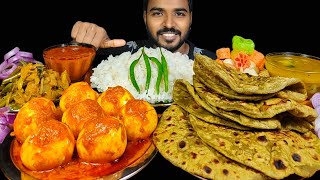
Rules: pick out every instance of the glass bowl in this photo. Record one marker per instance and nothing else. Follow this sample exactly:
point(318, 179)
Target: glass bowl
point(75, 58)
point(297, 65)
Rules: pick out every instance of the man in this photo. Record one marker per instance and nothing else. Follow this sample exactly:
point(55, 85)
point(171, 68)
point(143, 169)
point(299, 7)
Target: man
point(168, 24)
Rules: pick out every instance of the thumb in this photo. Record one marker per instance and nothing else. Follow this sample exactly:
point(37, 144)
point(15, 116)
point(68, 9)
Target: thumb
point(112, 43)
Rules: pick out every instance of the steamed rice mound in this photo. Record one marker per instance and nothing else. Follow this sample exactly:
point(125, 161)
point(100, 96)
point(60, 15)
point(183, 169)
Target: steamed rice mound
point(115, 71)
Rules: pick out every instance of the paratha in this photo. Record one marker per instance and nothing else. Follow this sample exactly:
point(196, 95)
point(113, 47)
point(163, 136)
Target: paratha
point(223, 89)
point(184, 99)
point(290, 122)
point(185, 96)
point(177, 142)
point(267, 108)
point(241, 82)
point(276, 153)
point(297, 92)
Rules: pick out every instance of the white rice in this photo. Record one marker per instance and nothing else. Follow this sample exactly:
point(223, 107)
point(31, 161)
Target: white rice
point(115, 71)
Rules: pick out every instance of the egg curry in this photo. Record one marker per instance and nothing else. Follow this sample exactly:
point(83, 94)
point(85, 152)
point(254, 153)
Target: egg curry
point(76, 92)
point(79, 113)
point(54, 140)
point(102, 140)
point(112, 99)
point(86, 134)
point(140, 119)
point(32, 113)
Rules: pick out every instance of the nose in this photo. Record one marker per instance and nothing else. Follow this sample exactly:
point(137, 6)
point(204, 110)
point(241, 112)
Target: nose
point(169, 21)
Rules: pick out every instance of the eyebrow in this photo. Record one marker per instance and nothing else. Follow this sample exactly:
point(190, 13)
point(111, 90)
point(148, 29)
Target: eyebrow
point(161, 9)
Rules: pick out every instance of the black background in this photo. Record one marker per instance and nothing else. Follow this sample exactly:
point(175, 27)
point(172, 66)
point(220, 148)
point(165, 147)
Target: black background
point(273, 27)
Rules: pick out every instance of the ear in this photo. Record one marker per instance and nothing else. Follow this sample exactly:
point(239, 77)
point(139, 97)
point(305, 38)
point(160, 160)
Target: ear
point(145, 17)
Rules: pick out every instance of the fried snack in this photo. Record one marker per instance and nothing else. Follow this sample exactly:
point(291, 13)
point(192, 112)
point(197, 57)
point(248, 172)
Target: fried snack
point(140, 119)
point(177, 142)
point(101, 140)
point(76, 92)
point(50, 146)
point(79, 113)
point(277, 153)
point(112, 99)
point(32, 113)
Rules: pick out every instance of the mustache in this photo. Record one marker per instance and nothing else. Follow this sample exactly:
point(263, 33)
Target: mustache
point(168, 30)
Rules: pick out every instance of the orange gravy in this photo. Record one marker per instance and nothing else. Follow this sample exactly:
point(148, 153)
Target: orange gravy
point(80, 170)
point(76, 60)
point(69, 53)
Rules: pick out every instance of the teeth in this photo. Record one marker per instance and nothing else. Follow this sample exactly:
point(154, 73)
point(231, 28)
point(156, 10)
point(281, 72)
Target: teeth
point(170, 35)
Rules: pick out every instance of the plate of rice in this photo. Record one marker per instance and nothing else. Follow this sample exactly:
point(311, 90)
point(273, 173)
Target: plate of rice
point(115, 71)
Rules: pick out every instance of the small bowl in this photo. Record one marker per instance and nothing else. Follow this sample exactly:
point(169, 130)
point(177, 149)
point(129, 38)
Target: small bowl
point(75, 58)
point(297, 65)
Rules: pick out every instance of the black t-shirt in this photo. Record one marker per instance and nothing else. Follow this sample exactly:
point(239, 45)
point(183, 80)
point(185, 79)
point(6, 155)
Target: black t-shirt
point(134, 46)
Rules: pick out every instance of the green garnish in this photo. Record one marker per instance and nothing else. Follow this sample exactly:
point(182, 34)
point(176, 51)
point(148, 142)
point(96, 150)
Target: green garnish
point(132, 75)
point(162, 70)
point(155, 60)
point(165, 71)
point(148, 67)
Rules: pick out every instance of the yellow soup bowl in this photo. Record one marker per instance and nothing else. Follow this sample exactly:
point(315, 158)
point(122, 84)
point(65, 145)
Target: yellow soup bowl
point(297, 65)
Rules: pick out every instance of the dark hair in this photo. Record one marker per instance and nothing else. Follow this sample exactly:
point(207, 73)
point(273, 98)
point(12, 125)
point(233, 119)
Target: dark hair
point(145, 5)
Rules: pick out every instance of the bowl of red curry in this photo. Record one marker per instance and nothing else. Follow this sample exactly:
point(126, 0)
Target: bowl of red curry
point(75, 58)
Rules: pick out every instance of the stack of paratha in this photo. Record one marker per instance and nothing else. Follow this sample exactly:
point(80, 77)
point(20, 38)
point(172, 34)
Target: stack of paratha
point(230, 125)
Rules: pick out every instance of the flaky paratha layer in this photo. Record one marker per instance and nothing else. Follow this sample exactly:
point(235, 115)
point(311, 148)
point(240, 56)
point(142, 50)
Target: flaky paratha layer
point(179, 143)
point(277, 153)
point(243, 83)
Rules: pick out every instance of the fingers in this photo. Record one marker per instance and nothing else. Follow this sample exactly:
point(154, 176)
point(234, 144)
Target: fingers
point(85, 32)
point(75, 29)
point(100, 37)
point(113, 43)
point(91, 33)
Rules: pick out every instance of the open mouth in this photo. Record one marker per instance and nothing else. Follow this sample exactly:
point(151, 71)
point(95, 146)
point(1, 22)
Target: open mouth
point(169, 36)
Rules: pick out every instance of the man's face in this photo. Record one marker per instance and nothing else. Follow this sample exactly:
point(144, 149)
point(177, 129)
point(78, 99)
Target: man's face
point(168, 22)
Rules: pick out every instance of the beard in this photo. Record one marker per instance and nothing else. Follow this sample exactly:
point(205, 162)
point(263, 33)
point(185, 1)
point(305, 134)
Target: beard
point(156, 42)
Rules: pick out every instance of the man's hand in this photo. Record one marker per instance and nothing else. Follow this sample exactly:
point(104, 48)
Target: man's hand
point(85, 32)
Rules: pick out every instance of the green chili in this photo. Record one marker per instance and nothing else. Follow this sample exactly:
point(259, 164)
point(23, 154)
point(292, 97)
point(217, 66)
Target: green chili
point(132, 75)
point(165, 71)
point(148, 67)
point(155, 60)
point(6, 89)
